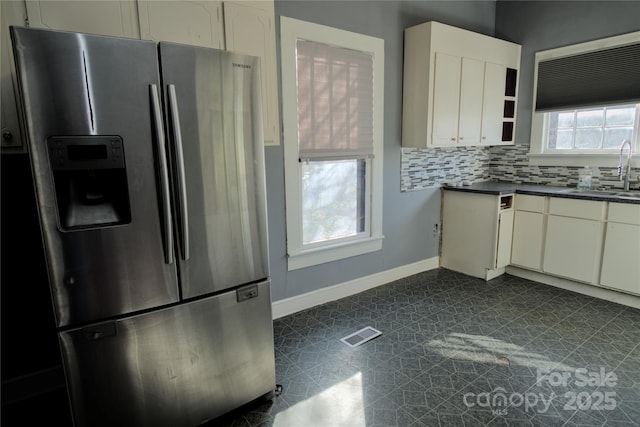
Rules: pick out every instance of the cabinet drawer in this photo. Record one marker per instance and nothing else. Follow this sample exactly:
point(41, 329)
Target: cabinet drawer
point(525, 202)
point(624, 212)
point(587, 209)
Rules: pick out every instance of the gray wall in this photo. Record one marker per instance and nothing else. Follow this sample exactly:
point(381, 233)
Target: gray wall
point(407, 217)
point(542, 25)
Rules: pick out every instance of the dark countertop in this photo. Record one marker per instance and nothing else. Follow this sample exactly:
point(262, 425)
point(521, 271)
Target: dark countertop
point(500, 188)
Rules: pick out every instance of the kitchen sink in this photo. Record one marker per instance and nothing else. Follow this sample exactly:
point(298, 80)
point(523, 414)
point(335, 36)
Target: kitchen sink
point(608, 193)
point(629, 194)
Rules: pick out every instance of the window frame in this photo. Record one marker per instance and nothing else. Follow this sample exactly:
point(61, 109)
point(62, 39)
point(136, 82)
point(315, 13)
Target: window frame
point(299, 254)
point(539, 155)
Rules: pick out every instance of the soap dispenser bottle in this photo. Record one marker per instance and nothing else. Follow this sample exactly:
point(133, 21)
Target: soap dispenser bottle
point(585, 178)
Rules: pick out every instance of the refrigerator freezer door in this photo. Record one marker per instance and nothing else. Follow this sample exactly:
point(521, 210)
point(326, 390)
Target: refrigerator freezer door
point(88, 102)
point(175, 367)
point(214, 120)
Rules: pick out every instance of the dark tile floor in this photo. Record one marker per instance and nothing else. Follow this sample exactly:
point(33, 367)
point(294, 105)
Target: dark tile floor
point(456, 351)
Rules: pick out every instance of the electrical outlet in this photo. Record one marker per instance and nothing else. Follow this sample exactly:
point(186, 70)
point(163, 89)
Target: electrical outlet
point(435, 229)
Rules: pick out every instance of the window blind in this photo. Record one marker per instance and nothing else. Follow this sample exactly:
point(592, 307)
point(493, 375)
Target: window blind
point(604, 77)
point(335, 102)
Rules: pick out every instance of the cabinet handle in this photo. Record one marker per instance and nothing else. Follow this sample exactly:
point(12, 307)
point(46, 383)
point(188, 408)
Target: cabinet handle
point(461, 138)
point(484, 137)
point(453, 139)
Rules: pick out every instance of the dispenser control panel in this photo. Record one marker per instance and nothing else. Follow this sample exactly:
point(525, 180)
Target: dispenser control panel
point(86, 152)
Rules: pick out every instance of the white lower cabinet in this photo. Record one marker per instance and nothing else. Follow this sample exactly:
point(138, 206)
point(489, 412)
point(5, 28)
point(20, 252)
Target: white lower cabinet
point(505, 236)
point(573, 248)
point(476, 233)
point(573, 239)
point(621, 257)
point(528, 234)
point(588, 241)
point(583, 240)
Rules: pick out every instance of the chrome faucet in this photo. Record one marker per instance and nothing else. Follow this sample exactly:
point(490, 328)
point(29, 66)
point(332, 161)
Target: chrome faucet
point(628, 171)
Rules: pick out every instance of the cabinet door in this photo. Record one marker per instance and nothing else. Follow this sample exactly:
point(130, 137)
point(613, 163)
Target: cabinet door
point(13, 13)
point(526, 247)
point(505, 237)
point(446, 99)
point(111, 18)
point(470, 235)
point(197, 23)
point(621, 258)
point(249, 29)
point(493, 103)
point(573, 248)
point(471, 83)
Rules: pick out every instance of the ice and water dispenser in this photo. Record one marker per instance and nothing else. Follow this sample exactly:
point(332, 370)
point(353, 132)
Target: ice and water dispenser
point(90, 180)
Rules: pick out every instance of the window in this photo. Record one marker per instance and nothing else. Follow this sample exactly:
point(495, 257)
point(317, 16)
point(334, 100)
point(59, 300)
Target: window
point(586, 102)
point(591, 129)
point(332, 83)
point(333, 200)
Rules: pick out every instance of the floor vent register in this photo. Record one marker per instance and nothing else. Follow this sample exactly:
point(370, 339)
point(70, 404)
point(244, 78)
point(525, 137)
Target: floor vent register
point(360, 337)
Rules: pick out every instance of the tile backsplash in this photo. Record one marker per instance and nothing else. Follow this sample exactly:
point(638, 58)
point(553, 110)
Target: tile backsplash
point(424, 168)
point(431, 167)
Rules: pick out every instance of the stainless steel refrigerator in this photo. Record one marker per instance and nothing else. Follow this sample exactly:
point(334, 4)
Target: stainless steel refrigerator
point(148, 166)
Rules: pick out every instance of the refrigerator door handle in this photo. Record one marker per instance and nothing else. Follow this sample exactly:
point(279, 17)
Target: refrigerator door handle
point(164, 175)
point(182, 184)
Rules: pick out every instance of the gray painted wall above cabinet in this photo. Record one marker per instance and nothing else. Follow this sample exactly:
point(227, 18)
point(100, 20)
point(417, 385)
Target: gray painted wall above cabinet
point(542, 25)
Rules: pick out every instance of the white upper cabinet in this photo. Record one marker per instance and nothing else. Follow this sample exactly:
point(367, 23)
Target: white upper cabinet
point(457, 100)
point(493, 103)
point(459, 87)
point(197, 23)
point(471, 93)
point(12, 13)
point(446, 96)
point(111, 18)
point(249, 28)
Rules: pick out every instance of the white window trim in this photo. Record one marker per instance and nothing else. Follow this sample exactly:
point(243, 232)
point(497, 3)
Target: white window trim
point(292, 30)
point(538, 156)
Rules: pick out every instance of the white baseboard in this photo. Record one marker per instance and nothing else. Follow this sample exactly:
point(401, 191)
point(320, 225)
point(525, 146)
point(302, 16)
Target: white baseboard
point(492, 274)
point(581, 288)
point(297, 303)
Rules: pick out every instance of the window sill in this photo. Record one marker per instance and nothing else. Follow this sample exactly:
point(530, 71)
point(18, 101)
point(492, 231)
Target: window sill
point(579, 160)
point(310, 257)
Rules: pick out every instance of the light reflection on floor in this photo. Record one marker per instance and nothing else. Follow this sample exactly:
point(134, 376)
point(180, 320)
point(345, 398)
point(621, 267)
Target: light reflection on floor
point(484, 349)
point(341, 405)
